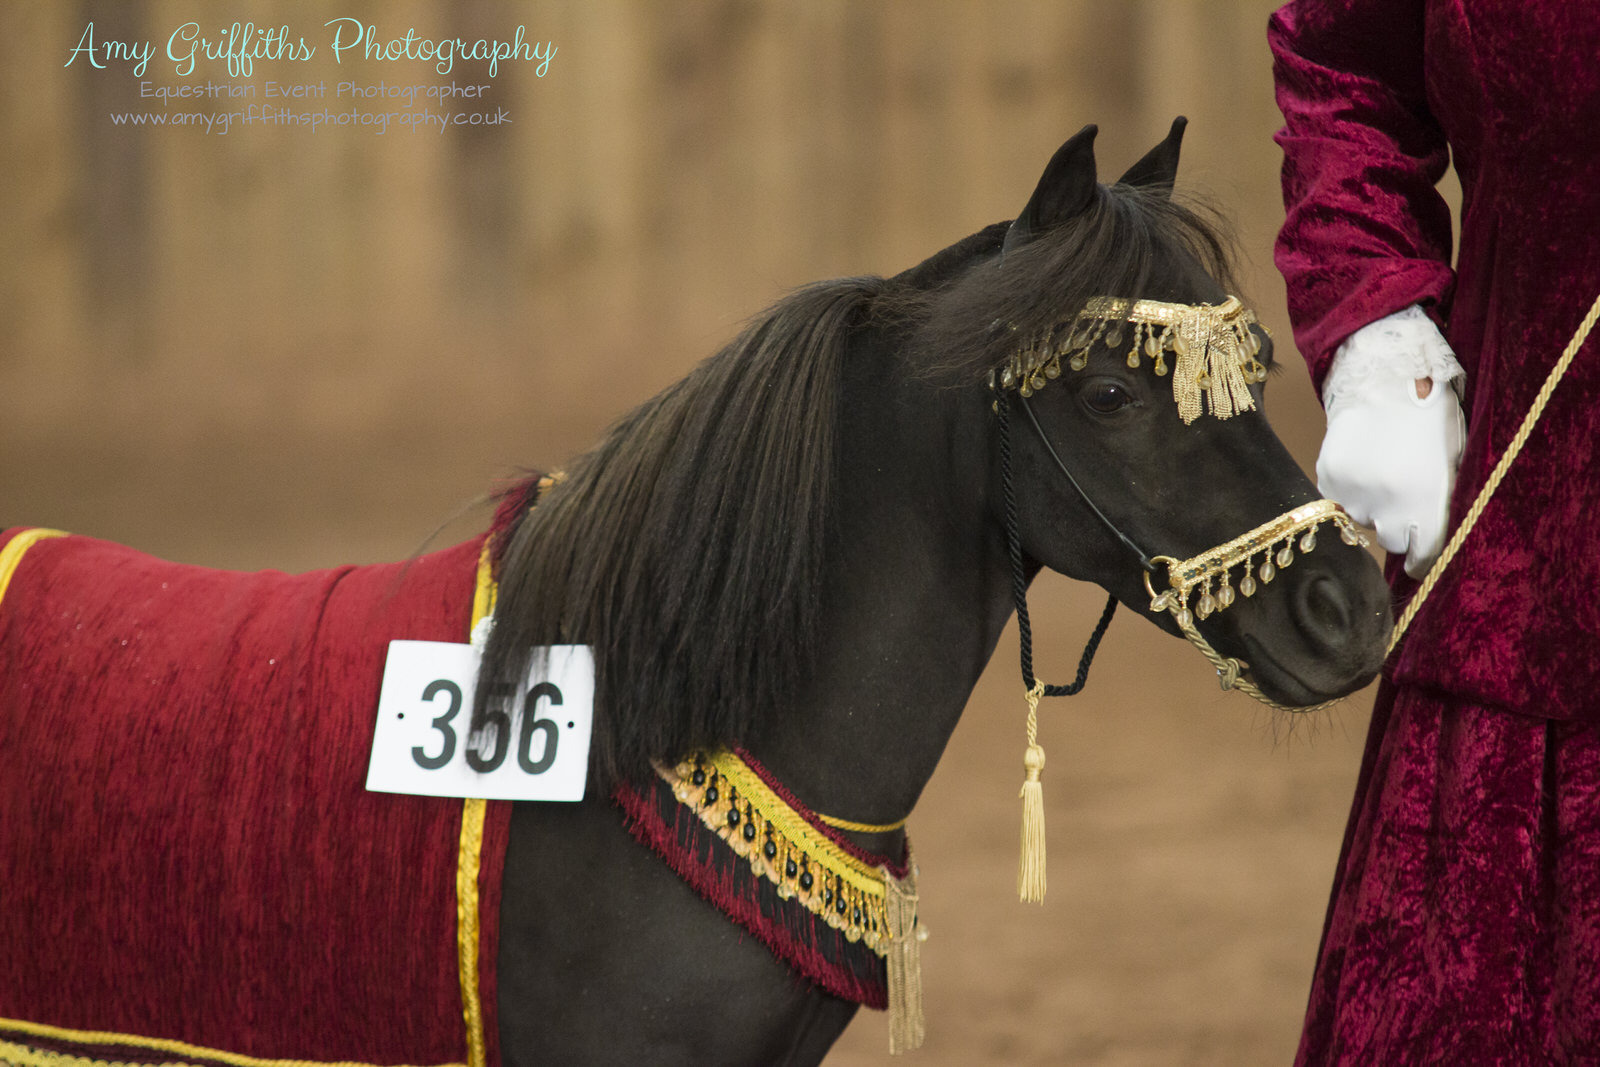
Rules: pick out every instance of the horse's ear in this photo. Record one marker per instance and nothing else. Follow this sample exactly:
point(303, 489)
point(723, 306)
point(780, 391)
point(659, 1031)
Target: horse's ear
point(1065, 189)
point(1158, 170)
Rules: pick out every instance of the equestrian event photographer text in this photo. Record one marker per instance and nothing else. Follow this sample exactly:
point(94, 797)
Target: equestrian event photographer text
point(241, 44)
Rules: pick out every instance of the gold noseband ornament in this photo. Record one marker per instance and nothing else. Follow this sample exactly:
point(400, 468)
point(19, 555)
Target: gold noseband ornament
point(1211, 573)
point(1215, 565)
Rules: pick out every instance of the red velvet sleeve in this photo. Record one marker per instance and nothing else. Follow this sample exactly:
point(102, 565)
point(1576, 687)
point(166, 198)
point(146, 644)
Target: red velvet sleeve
point(1366, 233)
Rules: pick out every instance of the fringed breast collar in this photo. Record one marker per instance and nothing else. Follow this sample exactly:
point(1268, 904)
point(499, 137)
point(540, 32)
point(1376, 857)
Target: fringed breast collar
point(840, 915)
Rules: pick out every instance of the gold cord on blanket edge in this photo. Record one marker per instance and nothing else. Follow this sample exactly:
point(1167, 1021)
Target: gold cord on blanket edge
point(26, 1056)
point(470, 858)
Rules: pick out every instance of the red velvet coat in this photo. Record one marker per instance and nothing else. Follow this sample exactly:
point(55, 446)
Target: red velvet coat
point(1376, 94)
point(1464, 925)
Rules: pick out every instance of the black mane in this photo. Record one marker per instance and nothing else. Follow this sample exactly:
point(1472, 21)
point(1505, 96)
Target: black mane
point(687, 546)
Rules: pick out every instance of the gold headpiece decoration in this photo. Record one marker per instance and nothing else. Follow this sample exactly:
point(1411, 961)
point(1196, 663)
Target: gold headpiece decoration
point(1214, 346)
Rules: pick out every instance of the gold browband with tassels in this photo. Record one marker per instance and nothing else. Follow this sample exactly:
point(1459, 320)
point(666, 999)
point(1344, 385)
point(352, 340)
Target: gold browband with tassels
point(1214, 344)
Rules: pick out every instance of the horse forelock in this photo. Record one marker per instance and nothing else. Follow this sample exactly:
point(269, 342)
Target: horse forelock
point(686, 546)
point(1128, 242)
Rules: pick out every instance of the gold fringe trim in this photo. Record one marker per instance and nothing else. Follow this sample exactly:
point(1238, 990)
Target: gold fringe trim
point(1215, 346)
point(906, 1024)
point(1211, 571)
point(11, 555)
point(1215, 565)
point(833, 885)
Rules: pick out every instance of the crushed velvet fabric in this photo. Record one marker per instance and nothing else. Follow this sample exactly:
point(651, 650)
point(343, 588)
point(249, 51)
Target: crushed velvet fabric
point(1465, 922)
point(1463, 927)
point(187, 848)
point(1376, 94)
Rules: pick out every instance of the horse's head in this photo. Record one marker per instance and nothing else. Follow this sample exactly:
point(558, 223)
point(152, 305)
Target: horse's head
point(1129, 386)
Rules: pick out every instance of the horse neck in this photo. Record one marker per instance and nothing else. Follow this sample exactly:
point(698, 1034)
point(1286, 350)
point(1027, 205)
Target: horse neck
point(916, 593)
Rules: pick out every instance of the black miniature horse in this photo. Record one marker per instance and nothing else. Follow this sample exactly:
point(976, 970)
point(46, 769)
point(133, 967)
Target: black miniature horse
point(791, 568)
point(800, 549)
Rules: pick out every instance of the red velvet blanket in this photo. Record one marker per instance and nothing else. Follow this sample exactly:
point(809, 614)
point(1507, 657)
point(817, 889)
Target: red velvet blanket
point(187, 854)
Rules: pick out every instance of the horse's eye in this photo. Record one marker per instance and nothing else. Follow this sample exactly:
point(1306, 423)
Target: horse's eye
point(1106, 396)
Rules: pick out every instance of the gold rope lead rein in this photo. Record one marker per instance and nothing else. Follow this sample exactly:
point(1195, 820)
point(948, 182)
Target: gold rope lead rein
point(1529, 420)
point(1229, 669)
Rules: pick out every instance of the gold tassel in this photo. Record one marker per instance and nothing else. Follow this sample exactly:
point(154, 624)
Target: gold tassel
point(1225, 361)
point(1030, 871)
point(906, 1028)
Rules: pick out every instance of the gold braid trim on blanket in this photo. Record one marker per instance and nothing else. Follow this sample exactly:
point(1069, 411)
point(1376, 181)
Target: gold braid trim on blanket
point(470, 856)
point(11, 554)
point(189, 1055)
point(14, 1055)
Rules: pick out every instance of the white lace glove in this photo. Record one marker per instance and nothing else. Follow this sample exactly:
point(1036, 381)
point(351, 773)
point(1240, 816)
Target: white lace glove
point(1389, 456)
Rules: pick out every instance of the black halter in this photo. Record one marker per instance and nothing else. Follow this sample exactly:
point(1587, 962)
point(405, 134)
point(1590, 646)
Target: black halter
point(1019, 585)
point(1144, 560)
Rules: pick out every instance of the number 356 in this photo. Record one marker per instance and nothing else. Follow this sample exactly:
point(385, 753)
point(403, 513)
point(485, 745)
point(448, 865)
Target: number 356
point(499, 721)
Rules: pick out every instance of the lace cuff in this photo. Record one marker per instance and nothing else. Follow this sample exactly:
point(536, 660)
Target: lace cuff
point(1405, 345)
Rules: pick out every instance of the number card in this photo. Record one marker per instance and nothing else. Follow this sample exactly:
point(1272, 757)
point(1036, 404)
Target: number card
point(534, 744)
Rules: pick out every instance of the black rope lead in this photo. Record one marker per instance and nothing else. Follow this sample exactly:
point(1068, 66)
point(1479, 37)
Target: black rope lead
point(1019, 583)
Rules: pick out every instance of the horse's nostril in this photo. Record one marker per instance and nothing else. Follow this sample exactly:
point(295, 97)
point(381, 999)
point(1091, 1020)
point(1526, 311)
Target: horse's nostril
point(1322, 609)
